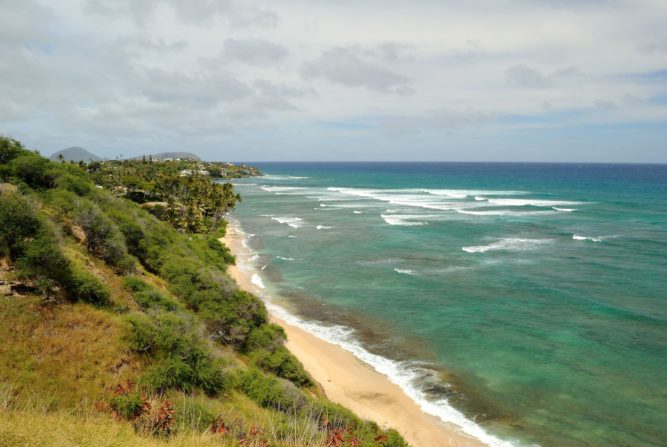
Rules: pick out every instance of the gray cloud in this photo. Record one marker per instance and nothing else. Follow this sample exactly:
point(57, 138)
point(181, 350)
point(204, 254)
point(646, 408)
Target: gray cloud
point(444, 119)
point(526, 77)
point(654, 46)
point(196, 11)
point(347, 66)
point(254, 51)
point(391, 52)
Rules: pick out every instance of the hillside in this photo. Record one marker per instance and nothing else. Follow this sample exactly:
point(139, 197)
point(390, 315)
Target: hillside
point(75, 154)
point(173, 156)
point(122, 329)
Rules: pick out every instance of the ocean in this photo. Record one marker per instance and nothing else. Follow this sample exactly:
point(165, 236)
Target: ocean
point(526, 303)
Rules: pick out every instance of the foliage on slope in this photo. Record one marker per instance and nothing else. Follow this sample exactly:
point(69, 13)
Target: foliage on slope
point(124, 317)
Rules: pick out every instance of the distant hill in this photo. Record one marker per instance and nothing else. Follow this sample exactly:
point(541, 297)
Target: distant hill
point(76, 154)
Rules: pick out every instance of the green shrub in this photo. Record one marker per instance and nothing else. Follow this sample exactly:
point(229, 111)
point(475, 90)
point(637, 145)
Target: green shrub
point(128, 406)
point(192, 415)
point(282, 363)
point(76, 184)
point(270, 392)
point(35, 171)
point(18, 223)
point(221, 251)
point(146, 296)
point(85, 287)
point(180, 357)
point(335, 416)
point(10, 149)
point(267, 337)
point(103, 239)
point(231, 319)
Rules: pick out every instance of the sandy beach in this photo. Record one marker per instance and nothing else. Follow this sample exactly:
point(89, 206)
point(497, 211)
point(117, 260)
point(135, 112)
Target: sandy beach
point(350, 382)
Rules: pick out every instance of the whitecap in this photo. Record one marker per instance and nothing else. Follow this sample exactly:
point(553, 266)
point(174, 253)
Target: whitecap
point(323, 227)
point(282, 177)
point(578, 237)
point(509, 244)
point(503, 213)
point(532, 202)
point(294, 222)
point(281, 189)
point(564, 210)
point(257, 281)
point(405, 271)
point(404, 374)
point(284, 258)
point(402, 220)
point(357, 212)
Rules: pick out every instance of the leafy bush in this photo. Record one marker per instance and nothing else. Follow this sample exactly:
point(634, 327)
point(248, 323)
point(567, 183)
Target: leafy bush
point(265, 348)
point(103, 239)
point(271, 392)
point(193, 415)
point(231, 319)
point(10, 149)
point(146, 296)
point(221, 251)
point(128, 406)
point(282, 363)
point(180, 357)
point(18, 223)
point(35, 171)
point(85, 287)
point(76, 184)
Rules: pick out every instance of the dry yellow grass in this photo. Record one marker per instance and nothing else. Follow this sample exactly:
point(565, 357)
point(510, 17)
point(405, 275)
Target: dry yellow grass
point(60, 429)
point(60, 356)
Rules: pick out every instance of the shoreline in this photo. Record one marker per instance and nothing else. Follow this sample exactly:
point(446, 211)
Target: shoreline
point(347, 380)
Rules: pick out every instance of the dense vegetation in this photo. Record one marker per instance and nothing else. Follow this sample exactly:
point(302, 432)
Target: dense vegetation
point(157, 333)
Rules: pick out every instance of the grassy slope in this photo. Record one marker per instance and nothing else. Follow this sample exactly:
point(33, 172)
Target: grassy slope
point(60, 360)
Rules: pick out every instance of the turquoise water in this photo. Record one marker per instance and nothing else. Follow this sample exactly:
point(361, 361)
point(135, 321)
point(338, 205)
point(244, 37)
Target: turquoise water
point(532, 298)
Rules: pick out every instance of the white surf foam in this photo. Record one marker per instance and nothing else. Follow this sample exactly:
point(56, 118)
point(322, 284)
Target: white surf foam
point(405, 271)
point(257, 280)
point(532, 202)
point(503, 213)
point(281, 189)
point(578, 237)
point(253, 258)
point(564, 210)
point(282, 177)
point(284, 258)
point(357, 212)
point(509, 244)
point(294, 222)
point(323, 227)
point(402, 220)
point(480, 198)
point(403, 374)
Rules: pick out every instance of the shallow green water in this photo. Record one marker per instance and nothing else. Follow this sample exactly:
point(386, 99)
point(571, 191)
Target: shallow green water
point(533, 298)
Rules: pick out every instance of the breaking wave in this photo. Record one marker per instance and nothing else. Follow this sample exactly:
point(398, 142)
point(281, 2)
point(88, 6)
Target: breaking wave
point(508, 244)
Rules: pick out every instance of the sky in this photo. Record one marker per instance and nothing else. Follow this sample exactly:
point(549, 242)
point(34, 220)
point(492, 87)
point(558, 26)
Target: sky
point(363, 80)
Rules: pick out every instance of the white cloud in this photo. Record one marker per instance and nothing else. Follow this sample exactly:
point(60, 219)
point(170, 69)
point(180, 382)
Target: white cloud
point(350, 67)
point(165, 73)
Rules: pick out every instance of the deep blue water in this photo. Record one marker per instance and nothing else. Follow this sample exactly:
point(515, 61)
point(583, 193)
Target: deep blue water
point(531, 297)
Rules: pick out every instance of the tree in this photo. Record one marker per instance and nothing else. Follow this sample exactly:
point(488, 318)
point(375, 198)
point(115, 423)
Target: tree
point(10, 149)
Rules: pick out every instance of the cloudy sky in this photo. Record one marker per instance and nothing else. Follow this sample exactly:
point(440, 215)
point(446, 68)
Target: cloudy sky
point(511, 80)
